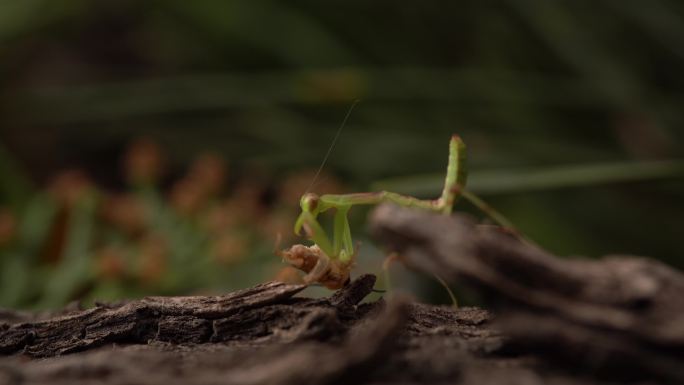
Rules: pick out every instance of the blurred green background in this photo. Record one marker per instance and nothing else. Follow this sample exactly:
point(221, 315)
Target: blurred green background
point(158, 147)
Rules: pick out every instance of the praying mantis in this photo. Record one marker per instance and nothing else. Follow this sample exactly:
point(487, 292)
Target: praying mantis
point(329, 262)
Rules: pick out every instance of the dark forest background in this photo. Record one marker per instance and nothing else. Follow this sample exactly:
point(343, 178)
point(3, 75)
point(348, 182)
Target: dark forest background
point(159, 147)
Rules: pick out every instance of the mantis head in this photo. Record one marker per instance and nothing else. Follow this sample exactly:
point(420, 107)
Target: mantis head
point(310, 209)
point(309, 202)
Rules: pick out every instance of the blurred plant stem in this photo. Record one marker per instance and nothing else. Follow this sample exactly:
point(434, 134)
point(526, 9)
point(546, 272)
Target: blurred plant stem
point(19, 280)
point(309, 87)
point(75, 265)
point(15, 187)
point(525, 180)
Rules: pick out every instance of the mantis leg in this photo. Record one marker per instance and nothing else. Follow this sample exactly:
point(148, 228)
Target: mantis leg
point(388, 283)
point(453, 187)
point(489, 210)
point(456, 175)
point(385, 269)
point(342, 241)
point(315, 232)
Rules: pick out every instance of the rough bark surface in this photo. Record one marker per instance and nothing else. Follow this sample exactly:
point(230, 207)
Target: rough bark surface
point(255, 336)
point(620, 317)
point(558, 321)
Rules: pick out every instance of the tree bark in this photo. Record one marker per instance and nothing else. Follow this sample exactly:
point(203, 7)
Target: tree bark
point(258, 335)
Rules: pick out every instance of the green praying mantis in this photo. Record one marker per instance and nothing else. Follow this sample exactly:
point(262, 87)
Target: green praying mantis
point(329, 261)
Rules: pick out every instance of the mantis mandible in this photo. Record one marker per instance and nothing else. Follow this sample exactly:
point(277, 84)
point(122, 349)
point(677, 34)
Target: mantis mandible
point(329, 262)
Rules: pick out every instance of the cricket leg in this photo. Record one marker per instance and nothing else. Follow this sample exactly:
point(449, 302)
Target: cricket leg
point(319, 270)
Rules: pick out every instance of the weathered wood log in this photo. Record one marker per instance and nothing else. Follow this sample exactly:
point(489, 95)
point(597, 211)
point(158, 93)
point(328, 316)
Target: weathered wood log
point(620, 317)
point(137, 321)
point(259, 335)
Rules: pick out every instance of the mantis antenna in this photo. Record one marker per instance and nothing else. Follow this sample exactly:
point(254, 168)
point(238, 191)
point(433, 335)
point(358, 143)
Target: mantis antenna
point(332, 145)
